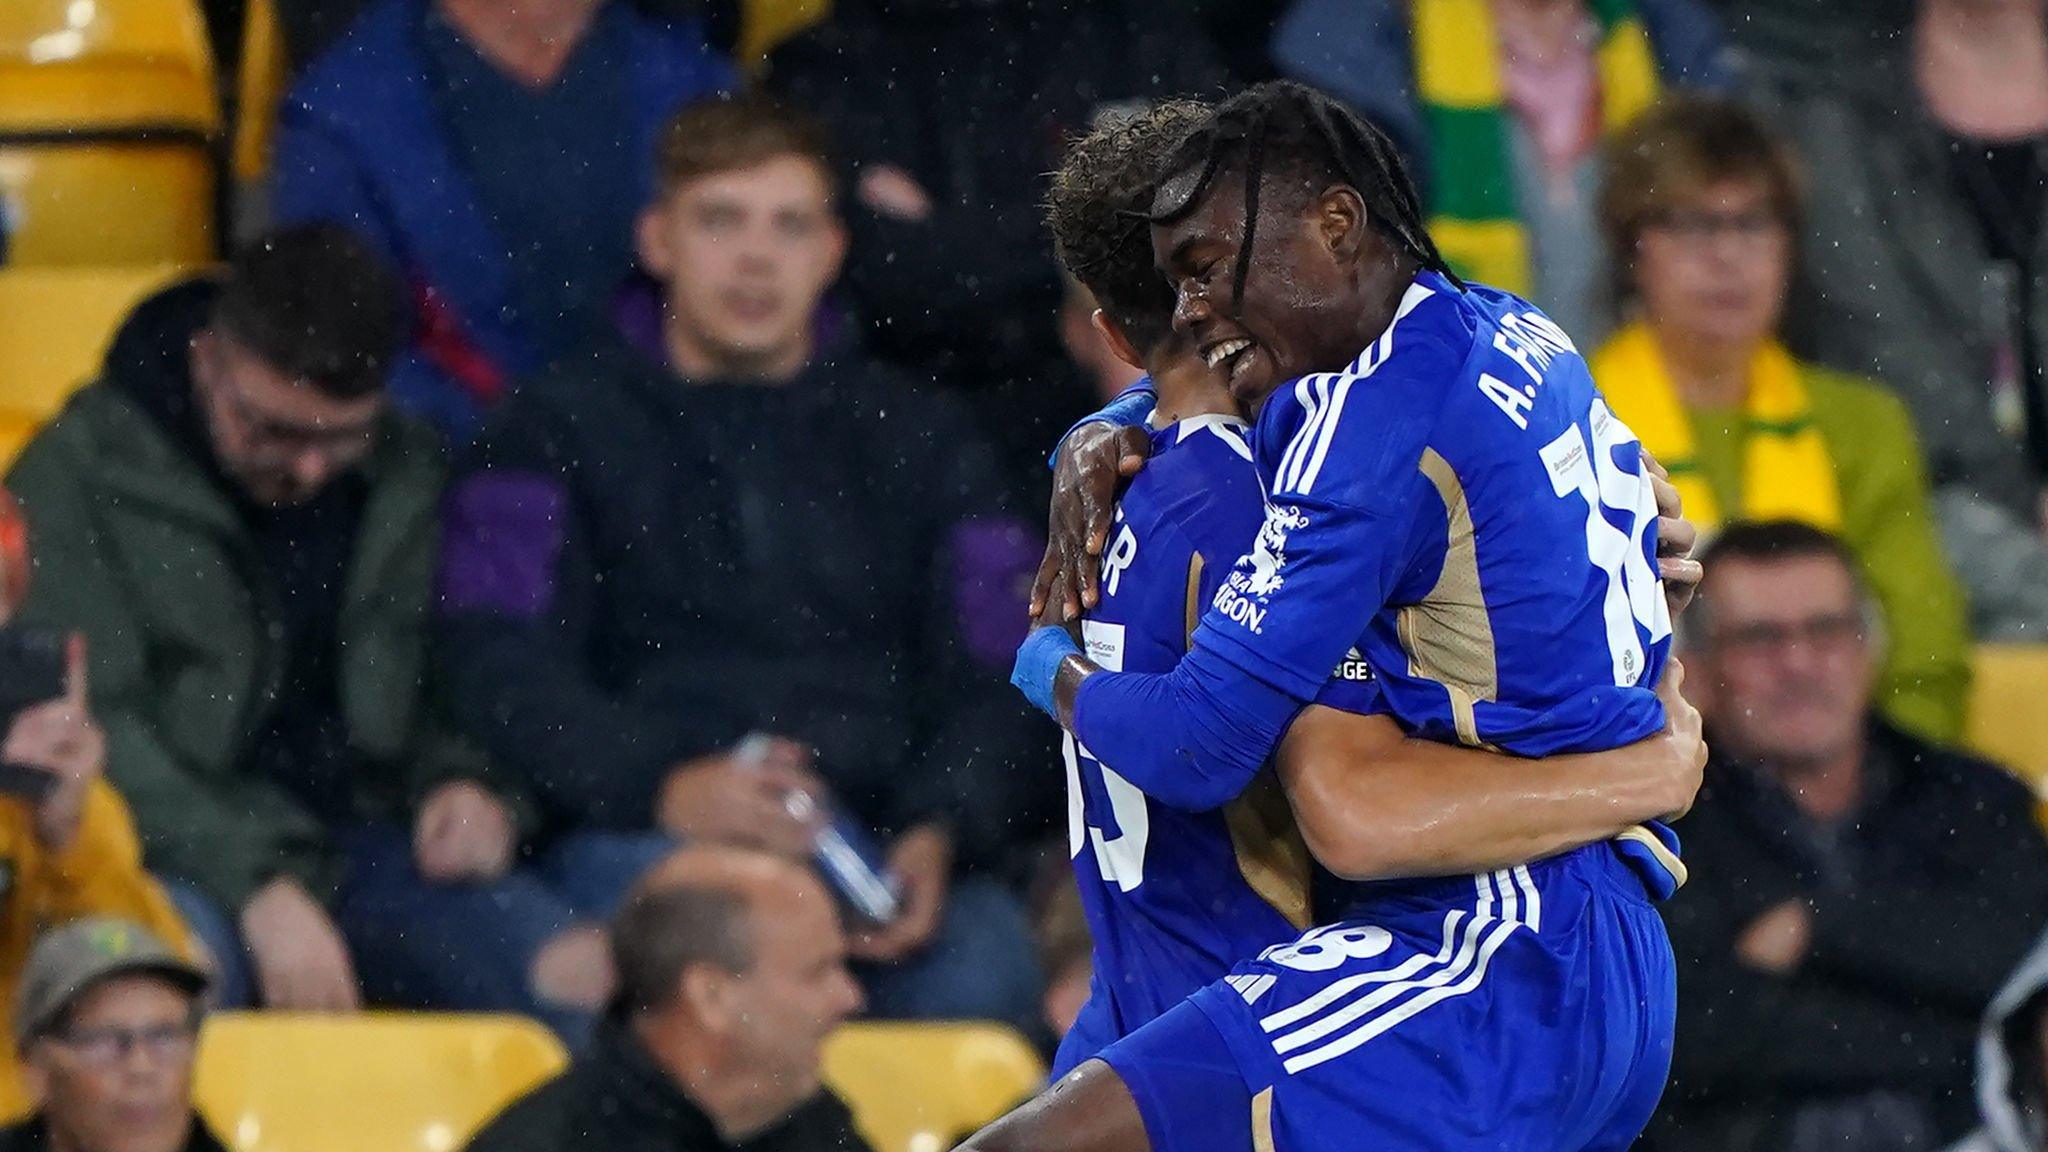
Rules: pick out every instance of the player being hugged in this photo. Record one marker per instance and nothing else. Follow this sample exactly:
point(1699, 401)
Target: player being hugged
point(1447, 496)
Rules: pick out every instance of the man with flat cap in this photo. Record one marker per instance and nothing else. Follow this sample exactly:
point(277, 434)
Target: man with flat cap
point(107, 1023)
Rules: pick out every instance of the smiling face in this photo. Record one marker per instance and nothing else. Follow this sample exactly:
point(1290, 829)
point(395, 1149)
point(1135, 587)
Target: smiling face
point(1318, 287)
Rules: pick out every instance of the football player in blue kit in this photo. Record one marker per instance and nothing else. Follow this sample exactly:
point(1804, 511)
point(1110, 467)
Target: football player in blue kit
point(1173, 897)
point(1449, 503)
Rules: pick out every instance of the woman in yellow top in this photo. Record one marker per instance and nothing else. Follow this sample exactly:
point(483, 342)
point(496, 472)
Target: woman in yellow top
point(1699, 212)
point(73, 852)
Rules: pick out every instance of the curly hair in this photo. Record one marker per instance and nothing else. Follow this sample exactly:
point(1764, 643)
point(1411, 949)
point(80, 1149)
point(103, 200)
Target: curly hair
point(1097, 210)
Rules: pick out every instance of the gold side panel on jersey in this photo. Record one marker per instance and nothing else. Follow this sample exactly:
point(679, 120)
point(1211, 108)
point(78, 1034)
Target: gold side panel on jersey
point(1262, 1120)
point(1449, 636)
point(1271, 855)
point(1663, 855)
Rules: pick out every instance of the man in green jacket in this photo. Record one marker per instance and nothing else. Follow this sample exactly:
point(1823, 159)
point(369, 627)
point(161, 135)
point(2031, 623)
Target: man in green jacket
point(246, 532)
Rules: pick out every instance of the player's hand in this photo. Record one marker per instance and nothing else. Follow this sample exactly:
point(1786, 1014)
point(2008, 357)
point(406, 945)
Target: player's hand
point(922, 860)
point(1777, 941)
point(1676, 538)
point(1685, 737)
point(736, 797)
point(463, 833)
point(60, 737)
point(1093, 463)
point(301, 961)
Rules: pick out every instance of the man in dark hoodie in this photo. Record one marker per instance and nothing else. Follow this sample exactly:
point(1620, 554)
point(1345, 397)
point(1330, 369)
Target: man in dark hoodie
point(720, 526)
point(245, 533)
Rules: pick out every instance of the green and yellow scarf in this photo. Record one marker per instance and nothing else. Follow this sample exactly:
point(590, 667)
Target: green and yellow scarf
point(1473, 216)
point(1787, 471)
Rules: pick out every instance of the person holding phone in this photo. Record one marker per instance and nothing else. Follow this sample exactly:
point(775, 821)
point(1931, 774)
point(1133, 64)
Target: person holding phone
point(68, 847)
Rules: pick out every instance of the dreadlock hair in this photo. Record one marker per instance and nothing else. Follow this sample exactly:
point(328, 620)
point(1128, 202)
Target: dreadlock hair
point(1299, 131)
point(1098, 211)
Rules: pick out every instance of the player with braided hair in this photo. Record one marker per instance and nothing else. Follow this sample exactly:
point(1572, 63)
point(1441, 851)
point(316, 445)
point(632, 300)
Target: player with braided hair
point(1449, 504)
point(1169, 893)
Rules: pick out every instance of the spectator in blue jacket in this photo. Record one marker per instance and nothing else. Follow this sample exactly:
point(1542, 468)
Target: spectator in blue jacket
point(496, 151)
point(1501, 106)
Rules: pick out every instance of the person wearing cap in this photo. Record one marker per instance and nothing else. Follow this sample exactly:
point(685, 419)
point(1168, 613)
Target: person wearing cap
point(107, 1022)
point(73, 851)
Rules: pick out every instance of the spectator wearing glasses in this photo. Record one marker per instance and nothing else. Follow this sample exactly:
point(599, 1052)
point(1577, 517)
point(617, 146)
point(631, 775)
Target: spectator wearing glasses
point(247, 534)
point(1858, 894)
point(108, 1023)
point(1700, 213)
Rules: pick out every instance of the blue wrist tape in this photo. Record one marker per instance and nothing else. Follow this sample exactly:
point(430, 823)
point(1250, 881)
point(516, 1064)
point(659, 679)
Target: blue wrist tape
point(1038, 662)
point(1131, 408)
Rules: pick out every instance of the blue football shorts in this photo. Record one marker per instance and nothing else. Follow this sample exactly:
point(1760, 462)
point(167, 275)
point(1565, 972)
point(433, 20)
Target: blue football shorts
point(1526, 1010)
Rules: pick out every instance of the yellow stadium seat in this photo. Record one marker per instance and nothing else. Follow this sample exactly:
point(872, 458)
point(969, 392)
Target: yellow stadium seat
point(922, 1087)
point(258, 90)
point(2009, 708)
point(54, 328)
point(107, 203)
point(766, 23)
point(393, 1082)
point(104, 63)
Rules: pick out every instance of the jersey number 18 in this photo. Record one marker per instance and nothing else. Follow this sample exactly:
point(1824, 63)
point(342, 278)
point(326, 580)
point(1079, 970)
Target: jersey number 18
point(1633, 595)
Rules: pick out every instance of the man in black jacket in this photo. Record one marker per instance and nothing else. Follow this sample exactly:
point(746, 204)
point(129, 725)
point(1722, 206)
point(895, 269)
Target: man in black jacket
point(1858, 895)
point(717, 527)
point(950, 114)
point(732, 971)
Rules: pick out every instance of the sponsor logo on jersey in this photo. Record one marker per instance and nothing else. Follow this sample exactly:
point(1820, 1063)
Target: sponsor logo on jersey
point(1354, 668)
point(1258, 575)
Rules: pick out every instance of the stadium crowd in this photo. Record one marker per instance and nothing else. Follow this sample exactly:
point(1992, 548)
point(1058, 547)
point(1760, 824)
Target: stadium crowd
point(603, 467)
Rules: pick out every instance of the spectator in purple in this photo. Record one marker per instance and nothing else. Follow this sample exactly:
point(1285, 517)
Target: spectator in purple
point(495, 151)
point(950, 114)
point(714, 524)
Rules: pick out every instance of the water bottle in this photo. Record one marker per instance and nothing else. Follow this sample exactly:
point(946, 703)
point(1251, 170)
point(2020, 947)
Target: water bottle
point(845, 853)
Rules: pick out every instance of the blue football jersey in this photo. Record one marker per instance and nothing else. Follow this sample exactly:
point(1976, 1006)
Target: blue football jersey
point(1174, 898)
point(1460, 505)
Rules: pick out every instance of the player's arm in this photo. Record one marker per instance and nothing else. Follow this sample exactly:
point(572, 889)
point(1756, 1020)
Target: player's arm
point(1343, 497)
point(1373, 803)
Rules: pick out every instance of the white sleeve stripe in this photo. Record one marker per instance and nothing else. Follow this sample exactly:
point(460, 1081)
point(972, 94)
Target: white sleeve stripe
point(1302, 465)
point(1329, 431)
point(1311, 399)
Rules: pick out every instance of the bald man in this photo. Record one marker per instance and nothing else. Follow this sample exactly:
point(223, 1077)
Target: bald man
point(731, 973)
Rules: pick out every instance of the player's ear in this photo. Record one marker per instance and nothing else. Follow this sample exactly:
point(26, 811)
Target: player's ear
point(1341, 220)
point(1118, 342)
